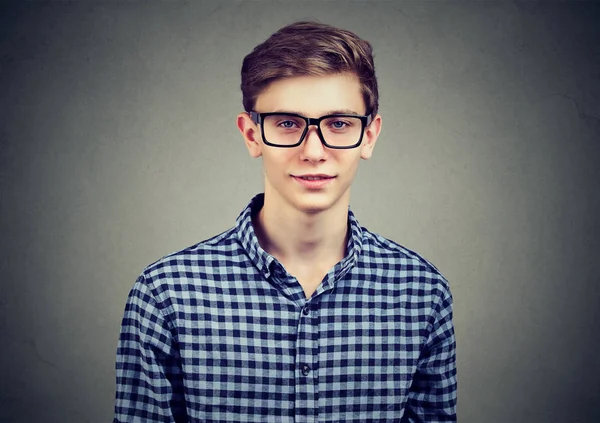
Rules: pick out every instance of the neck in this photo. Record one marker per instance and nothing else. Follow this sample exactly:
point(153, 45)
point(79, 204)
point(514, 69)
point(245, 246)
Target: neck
point(298, 238)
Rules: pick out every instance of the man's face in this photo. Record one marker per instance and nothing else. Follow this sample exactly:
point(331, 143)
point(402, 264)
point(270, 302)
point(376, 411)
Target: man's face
point(310, 96)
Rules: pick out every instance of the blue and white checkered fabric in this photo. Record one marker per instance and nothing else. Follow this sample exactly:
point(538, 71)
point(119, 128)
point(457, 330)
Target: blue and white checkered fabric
point(220, 332)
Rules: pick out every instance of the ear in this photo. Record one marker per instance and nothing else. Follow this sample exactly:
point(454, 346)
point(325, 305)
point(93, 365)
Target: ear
point(370, 138)
point(251, 134)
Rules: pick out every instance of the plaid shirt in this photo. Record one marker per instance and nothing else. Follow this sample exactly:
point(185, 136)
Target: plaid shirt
point(220, 332)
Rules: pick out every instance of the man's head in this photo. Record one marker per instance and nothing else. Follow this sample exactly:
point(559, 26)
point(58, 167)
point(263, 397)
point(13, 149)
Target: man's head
point(309, 48)
point(310, 71)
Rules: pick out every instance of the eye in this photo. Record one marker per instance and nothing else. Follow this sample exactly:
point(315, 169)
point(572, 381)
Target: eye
point(338, 124)
point(287, 124)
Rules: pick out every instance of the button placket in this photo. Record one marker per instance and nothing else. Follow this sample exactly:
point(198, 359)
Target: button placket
point(307, 351)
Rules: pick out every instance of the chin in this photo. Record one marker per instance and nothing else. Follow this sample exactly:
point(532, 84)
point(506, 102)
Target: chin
point(313, 209)
point(315, 205)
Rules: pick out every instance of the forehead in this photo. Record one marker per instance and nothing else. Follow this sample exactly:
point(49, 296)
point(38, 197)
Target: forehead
point(313, 96)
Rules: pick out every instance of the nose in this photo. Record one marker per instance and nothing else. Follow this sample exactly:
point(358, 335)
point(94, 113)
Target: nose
point(312, 147)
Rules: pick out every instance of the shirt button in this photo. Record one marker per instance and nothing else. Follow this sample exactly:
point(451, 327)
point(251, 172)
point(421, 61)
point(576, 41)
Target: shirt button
point(306, 310)
point(305, 369)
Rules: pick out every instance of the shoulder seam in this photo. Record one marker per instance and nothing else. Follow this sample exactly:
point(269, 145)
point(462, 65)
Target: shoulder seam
point(158, 305)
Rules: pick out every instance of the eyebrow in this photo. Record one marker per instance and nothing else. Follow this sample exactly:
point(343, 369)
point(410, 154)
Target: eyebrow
point(329, 112)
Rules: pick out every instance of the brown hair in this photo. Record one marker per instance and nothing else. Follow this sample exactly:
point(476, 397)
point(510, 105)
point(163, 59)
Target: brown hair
point(309, 48)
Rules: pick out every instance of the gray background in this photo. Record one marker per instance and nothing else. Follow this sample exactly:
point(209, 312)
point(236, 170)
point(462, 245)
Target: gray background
point(119, 145)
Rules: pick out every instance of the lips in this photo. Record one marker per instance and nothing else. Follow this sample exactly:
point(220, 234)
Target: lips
point(314, 182)
point(314, 177)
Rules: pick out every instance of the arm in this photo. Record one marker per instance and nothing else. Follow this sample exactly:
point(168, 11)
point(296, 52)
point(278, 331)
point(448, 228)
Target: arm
point(149, 376)
point(432, 397)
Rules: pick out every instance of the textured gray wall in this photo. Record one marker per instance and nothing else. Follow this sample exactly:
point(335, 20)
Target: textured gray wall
point(118, 146)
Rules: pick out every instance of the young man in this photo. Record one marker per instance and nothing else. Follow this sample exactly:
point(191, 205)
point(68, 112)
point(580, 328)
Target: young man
point(296, 314)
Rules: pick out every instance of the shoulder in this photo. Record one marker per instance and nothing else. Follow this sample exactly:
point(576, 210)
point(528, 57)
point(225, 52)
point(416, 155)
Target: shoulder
point(381, 253)
point(192, 261)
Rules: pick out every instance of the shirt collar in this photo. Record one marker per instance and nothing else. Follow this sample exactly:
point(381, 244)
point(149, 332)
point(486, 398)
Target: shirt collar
point(263, 260)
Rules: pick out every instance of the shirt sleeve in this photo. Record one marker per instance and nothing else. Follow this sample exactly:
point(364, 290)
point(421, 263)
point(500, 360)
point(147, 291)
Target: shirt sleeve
point(148, 366)
point(433, 395)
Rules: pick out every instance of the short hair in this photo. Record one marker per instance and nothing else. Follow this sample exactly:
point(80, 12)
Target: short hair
point(309, 48)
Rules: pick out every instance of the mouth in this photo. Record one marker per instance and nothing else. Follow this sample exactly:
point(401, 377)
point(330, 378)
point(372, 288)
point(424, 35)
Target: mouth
point(314, 177)
point(314, 182)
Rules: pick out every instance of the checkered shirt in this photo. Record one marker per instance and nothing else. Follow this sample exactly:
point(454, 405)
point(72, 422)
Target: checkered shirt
point(220, 332)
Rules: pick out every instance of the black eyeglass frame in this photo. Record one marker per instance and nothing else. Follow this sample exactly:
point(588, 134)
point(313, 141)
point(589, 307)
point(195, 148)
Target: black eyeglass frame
point(259, 118)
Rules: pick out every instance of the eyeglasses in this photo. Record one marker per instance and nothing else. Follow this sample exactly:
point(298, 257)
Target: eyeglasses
point(287, 130)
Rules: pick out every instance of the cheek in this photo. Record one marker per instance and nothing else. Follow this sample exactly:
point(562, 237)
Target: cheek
point(350, 164)
point(276, 162)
